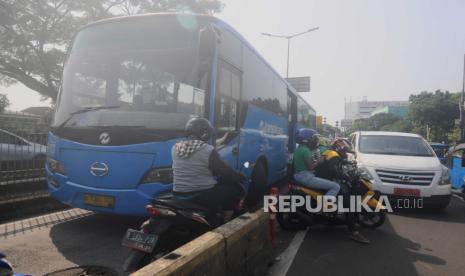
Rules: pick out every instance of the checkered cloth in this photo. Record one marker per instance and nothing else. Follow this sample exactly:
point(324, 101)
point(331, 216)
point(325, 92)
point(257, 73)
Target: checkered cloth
point(184, 149)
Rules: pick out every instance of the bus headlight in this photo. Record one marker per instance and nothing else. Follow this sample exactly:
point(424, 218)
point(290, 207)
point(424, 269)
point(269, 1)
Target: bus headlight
point(55, 166)
point(164, 175)
point(445, 177)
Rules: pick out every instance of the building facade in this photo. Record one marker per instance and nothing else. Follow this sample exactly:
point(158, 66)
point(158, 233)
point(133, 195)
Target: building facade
point(399, 111)
point(365, 108)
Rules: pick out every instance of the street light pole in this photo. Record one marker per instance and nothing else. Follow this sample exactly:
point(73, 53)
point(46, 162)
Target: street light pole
point(288, 50)
point(289, 37)
point(462, 106)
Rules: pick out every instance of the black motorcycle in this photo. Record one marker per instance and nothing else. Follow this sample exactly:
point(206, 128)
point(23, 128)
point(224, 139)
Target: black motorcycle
point(173, 222)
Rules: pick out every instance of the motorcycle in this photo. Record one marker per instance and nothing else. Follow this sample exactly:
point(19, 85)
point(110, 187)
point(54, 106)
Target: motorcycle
point(173, 221)
point(352, 183)
point(6, 269)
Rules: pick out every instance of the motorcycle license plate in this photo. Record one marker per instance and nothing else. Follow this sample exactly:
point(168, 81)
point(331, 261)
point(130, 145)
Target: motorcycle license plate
point(139, 240)
point(407, 192)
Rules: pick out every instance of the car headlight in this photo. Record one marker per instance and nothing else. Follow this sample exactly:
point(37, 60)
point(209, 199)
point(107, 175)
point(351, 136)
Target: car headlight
point(164, 175)
point(365, 173)
point(55, 166)
point(445, 177)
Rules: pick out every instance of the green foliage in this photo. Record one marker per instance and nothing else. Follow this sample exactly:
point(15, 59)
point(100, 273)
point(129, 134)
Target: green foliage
point(4, 102)
point(436, 110)
point(35, 33)
point(400, 125)
point(326, 130)
point(380, 121)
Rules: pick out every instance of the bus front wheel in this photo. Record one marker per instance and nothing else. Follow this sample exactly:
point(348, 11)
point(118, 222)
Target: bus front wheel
point(258, 186)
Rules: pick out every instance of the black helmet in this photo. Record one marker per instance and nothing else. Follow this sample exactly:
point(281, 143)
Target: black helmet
point(199, 129)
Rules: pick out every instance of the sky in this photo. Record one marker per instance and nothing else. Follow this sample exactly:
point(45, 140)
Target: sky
point(381, 49)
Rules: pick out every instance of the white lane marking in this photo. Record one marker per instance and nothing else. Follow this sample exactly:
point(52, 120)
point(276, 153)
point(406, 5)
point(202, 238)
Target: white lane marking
point(281, 267)
point(459, 197)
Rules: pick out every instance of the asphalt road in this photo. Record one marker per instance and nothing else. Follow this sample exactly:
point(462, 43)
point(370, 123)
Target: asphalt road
point(410, 243)
point(420, 242)
point(93, 239)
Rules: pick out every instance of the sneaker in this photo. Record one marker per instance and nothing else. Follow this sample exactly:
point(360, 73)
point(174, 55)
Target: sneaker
point(356, 236)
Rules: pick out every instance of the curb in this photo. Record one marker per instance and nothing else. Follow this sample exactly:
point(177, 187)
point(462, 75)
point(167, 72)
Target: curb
point(239, 247)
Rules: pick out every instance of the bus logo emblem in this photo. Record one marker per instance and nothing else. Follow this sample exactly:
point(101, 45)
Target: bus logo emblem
point(99, 169)
point(104, 138)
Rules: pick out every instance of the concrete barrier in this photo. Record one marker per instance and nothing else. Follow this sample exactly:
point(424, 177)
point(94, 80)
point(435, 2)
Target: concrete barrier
point(239, 247)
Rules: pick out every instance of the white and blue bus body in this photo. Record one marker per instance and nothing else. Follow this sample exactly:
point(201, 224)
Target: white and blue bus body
point(129, 86)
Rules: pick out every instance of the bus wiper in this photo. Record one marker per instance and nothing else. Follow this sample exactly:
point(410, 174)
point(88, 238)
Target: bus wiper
point(85, 110)
point(142, 129)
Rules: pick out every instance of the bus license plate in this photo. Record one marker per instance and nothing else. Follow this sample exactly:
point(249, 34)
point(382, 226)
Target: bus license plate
point(407, 192)
point(99, 201)
point(139, 240)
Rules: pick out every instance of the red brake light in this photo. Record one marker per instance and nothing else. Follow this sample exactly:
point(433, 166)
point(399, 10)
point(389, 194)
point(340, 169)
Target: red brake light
point(152, 211)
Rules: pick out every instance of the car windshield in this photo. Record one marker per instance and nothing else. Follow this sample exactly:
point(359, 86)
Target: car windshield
point(150, 78)
point(394, 145)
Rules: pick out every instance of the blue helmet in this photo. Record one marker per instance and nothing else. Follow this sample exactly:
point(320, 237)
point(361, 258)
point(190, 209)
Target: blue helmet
point(5, 266)
point(305, 135)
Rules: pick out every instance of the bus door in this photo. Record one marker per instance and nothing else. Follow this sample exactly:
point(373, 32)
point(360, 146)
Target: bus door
point(227, 113)
point(292, 119)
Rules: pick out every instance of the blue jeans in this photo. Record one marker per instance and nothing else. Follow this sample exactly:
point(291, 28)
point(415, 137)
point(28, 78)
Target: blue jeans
point(308, 179)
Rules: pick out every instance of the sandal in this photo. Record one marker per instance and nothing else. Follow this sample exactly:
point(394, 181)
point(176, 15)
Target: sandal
point(356, 236)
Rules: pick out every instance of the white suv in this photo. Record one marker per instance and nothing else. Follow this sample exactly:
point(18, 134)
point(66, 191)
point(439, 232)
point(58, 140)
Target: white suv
point(402, 165)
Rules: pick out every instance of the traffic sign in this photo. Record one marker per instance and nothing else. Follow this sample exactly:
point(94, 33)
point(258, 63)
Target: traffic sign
point(300, 84)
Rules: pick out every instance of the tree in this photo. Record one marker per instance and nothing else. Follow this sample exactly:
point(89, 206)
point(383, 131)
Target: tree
point(34, 34)
point(326, 130)
point(4, 102)
point(375, 122)
point(401, 125)
point(436, 110)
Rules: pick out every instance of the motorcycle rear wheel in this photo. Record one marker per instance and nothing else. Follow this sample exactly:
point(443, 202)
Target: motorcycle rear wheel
point(371, 220)
point(290, 221)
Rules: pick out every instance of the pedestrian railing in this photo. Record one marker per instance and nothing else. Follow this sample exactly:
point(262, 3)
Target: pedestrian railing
point(22, 157)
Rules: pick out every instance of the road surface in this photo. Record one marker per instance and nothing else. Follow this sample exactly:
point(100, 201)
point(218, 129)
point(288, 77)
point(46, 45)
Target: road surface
point(420, 242)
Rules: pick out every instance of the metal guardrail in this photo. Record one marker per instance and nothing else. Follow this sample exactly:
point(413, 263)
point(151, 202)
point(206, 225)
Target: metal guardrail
point(22, 157)
point(23, 189)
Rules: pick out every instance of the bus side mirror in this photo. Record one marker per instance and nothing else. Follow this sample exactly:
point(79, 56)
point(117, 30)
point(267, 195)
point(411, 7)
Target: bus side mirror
point(209, 36)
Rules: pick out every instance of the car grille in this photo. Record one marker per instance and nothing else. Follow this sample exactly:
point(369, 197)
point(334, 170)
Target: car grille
point(405, 177)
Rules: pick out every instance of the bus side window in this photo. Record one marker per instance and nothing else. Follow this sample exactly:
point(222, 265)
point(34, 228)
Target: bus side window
point(227, 104)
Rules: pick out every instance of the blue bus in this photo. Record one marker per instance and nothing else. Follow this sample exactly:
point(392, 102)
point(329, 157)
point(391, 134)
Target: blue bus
point(129, 86)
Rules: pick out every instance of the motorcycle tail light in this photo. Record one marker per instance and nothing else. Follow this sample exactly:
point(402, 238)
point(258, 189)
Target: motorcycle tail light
point(152, 211)
point(159, 211)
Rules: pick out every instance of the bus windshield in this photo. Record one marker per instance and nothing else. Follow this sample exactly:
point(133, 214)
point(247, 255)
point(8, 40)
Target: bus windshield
point(151, 77)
